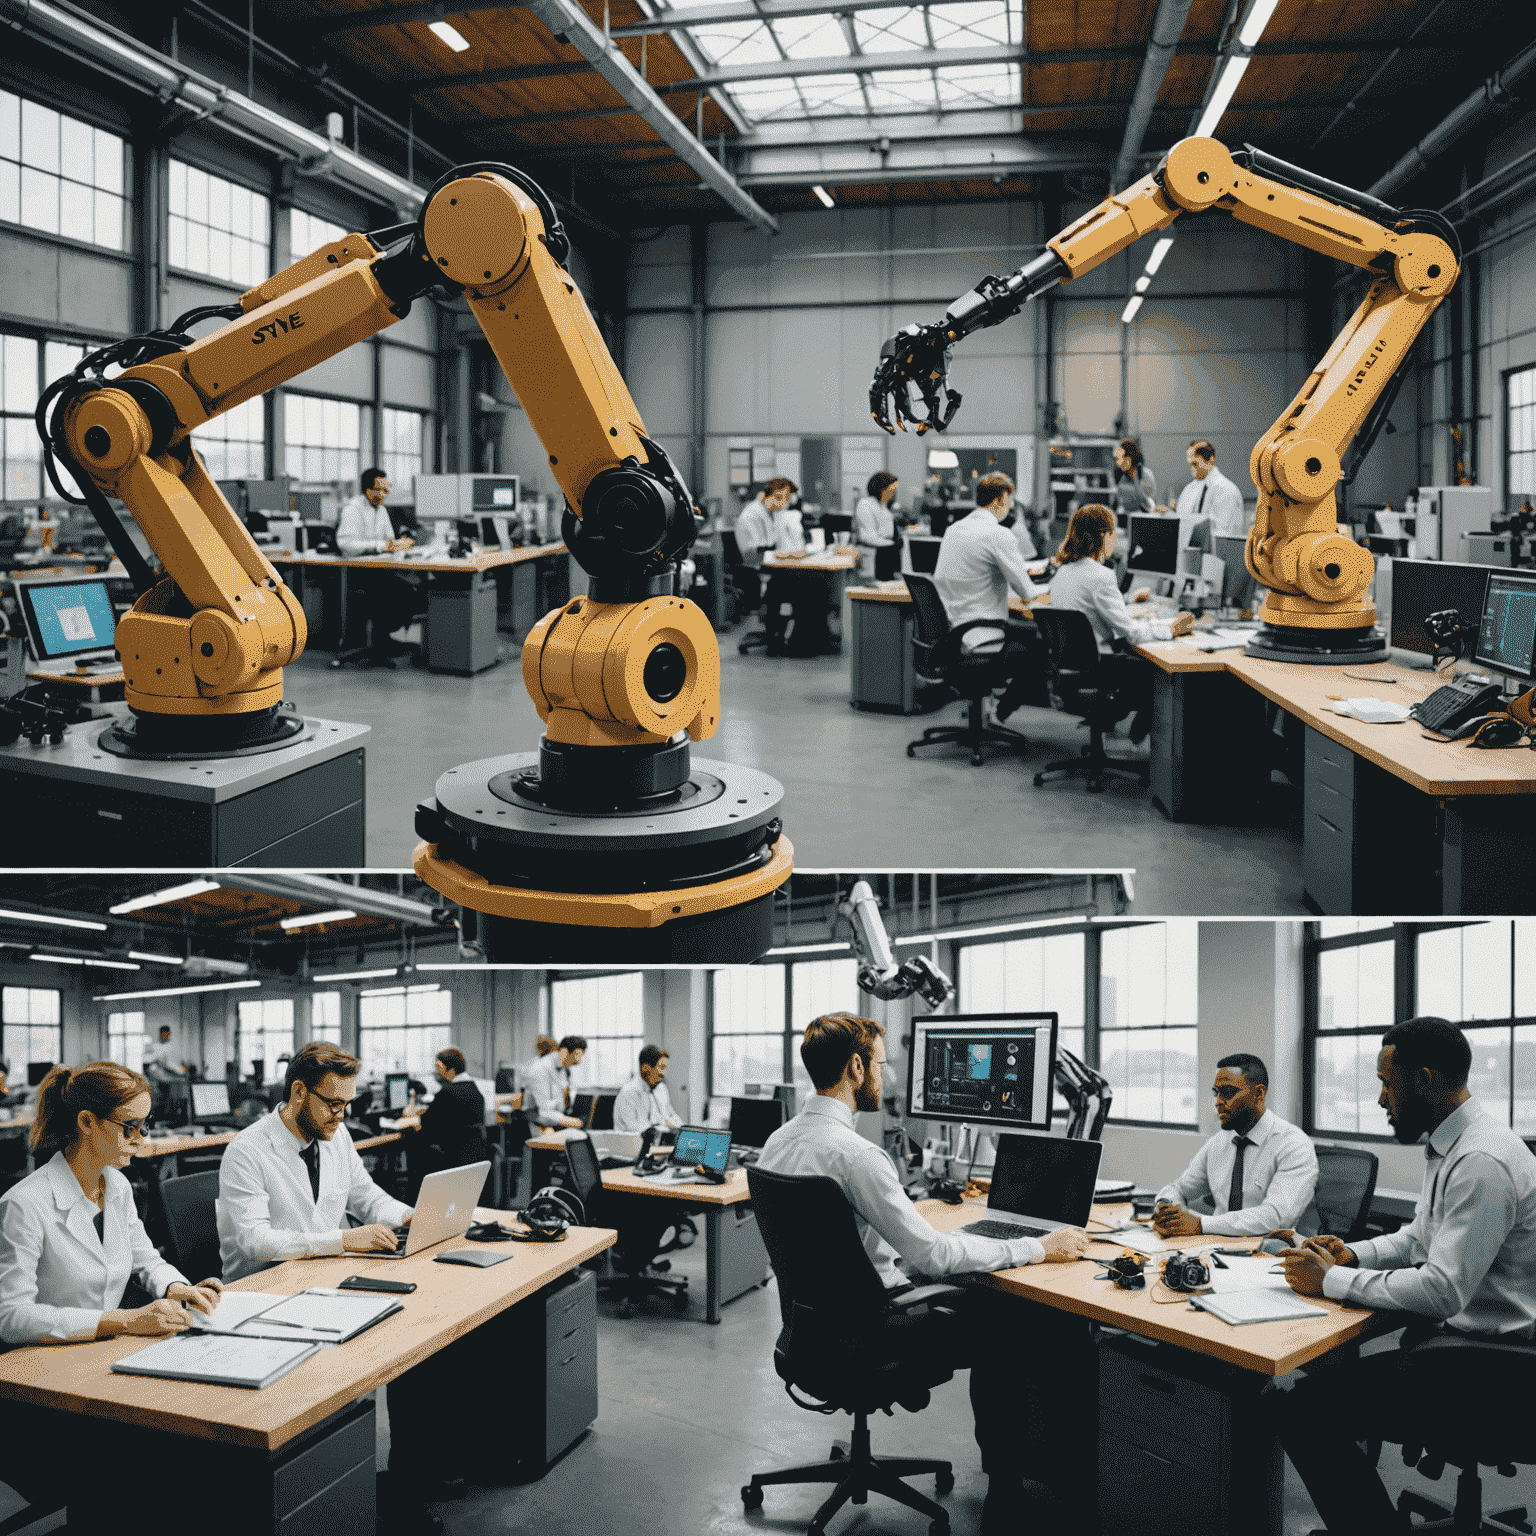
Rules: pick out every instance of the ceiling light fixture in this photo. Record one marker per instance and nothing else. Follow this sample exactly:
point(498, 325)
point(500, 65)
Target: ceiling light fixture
point(211, 986)
point(57, 922)
point(1129, 313)
point(170, 893)
point(1232, 73)
point(825, 196)
point(806, 949)
point(57, 959)
point(388, 970)
point(310, 919)
point(1159, 251)
point(1143, 283)
point(981, 933)
point(1258, 18)
point(450, 35)
point(140, 954)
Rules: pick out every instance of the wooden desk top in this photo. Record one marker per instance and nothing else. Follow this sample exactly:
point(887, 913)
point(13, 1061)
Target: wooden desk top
point(899, 594)
point(486, 560)
point(368, 1143)
point(844, 558)
point(164, 1146)
point(450, 1299)
point(80, 679)
point(1271, 1349)
point(732, 1192)
point(21, 1119)
point(548, 1140)
point(1172, 657)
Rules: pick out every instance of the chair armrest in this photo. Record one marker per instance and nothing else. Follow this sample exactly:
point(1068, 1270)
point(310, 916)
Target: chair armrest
point(926, 1295)
point(1450, 1345)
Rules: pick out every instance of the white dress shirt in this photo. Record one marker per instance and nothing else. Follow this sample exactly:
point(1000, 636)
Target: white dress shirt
point(821, 1140)
point(1217, 498)
point(1279, 1178)
point(873, 523)
point(1085, 586)
point(362, 528)
point(755, 532)
point(1468, 1257)
point(161, 1064)
point(639, 1105)
point(56, 1276)
point(267, 1211)
point(979, 561)
point(545, 1093)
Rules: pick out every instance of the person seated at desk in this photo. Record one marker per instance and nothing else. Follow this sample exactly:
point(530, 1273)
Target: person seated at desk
point(70, 1235)
point(979, 562)
point(766, 526)
point(287, 1183)
point(875, 528)
point(1085, 584)
point(1135, 486)
point(644, 1101)
point(1258, 1170)
point(1210, 494)
point(453, 1124)
point(167, 1073)
point(541, 1048)
point(1465, 1265)
point(547, 1092)
point(1033, 1371)
point(364, 528)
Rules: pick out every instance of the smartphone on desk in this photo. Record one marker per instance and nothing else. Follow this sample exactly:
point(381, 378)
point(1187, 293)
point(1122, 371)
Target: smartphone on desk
point(376, 1283)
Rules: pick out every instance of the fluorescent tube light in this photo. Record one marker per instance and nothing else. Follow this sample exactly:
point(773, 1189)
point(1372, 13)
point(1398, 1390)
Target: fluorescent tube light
point(806, 949)
point(57, 922)
point(1130, 310)
point(825, 196)
point(210, 986)
point(426, 986)
point(450, 35)
point(1159, 251)
point(1143, 283)
point(309, 920)
point(979, 933)
point(141, 954)
point(1258, 19)
point(389, 970)
point(1221, 98)
point(170, 893)
point(57, 959)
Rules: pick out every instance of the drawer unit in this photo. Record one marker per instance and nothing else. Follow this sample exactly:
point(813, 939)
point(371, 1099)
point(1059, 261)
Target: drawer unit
point(570, 1306)
point(737, 1249)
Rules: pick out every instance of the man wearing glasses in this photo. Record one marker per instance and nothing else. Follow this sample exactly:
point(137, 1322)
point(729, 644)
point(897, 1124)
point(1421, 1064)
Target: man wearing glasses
point(288, 1183)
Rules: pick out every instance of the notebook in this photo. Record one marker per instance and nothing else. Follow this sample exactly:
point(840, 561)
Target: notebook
point(222, 1359)
point(1256, 1306)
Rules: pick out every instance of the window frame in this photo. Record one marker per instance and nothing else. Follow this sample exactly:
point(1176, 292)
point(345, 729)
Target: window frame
point(235, 179)
point(1507, 378)
point(5, 1023)
point(587, 1071)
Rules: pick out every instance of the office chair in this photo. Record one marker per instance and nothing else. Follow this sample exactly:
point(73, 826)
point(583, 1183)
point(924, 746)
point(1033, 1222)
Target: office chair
point(834, 1307)
point(586, 1178)
point(192, 1233)
point(941, 658)
point(1346, 1185)
point(1077, 687)
point(746, 586)
point(376, 652)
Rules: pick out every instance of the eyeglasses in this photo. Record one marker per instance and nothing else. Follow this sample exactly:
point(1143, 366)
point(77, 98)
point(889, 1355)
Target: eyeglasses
point(336, 1106)
point(133, 1129)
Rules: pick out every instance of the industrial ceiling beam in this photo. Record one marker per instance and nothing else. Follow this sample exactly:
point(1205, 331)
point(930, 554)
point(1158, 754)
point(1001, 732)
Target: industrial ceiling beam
point(1167, 28)
point(323, 892)
point(847, 64)
point(402, 16)
point(937, 159)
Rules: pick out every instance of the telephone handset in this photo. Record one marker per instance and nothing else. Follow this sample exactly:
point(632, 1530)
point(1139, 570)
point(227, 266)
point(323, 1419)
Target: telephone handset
point(648, 1163)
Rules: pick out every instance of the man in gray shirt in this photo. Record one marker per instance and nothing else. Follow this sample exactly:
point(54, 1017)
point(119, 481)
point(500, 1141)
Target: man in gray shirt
point(1465, 1265)
point(1025, 1431)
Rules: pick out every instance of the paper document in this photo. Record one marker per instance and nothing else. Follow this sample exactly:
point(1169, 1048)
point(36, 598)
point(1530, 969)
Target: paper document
point(1216, 639)
point(1258, 1306)
point(1260, 1273)
point(1142, 1240)
point(218, 1358)
point(332, 1314)
point(1372, 711)
point(234, 1308)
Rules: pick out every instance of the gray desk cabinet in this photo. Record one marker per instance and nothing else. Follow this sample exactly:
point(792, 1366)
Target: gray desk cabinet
point(461, 623)
point(880, 665)
point(737, 1258)
point(1209, 760)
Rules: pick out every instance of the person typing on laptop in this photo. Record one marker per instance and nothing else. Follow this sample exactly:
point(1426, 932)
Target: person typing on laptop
point(547, 1091)
point(1026, 1435)
point(1259, 1171)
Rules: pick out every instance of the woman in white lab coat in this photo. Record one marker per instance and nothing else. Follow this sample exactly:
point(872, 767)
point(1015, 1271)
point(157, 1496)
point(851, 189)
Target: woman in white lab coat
point(874, 527)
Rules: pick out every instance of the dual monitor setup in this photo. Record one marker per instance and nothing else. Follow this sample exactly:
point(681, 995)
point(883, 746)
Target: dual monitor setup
point(1499, 602)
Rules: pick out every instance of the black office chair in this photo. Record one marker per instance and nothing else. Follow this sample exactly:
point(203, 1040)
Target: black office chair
point(941, 658)
point(586, 1178)
point(746, 589)
point(833, 1306)
point(191, 1228)
point(1346, 1185)
point(1078, 687)
point(375, 653)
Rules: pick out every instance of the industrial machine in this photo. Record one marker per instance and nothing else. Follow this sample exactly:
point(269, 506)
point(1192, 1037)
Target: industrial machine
point(611, 829)
point(1317, 608)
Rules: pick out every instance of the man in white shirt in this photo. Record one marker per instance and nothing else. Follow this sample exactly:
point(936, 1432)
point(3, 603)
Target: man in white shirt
point(644, 1101)
point(979, 563)
point(365, 528)
point(1464, 1266)
point(1259, 1171)
point(167, 1074)
point(764, 527)
point(1028, 1365)
point(547, 1093)
point(1210, 494)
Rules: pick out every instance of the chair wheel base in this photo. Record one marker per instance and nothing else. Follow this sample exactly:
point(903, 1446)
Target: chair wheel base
point(751, 1498)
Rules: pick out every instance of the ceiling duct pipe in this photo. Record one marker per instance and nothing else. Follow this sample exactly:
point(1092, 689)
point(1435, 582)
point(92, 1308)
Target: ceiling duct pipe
point(1167, 29)
point(325, 893)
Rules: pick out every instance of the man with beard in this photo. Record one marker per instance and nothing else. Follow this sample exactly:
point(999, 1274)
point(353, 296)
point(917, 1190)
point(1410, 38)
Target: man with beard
point(1258, 1170)
point(1465, 1265)
point(1032, 1368)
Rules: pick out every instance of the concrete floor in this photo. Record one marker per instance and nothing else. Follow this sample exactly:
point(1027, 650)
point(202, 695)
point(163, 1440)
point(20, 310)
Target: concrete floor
point(854, 800)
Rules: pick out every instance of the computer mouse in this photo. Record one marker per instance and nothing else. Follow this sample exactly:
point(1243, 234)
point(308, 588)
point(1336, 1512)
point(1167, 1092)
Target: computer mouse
point(1498, 731)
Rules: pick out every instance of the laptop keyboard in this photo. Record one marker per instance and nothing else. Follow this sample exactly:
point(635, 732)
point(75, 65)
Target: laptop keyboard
point(987, 1227)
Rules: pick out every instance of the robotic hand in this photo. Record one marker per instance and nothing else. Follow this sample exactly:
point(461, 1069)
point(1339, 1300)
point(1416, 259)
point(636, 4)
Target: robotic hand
point(879, 975)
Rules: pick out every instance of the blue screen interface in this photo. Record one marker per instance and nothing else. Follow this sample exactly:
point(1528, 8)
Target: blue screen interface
point(73, 616)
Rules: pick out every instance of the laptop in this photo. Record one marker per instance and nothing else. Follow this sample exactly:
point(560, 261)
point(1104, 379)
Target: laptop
point(615, 1148)
point(1039, 1185)
point(697, 1144)
point(444, 1209)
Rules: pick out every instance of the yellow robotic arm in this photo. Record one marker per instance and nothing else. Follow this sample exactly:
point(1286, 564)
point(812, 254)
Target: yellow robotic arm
point(1317, 580)
point(624, 677)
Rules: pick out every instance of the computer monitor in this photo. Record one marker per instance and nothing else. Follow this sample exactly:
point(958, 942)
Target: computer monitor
point(1423, 587)
point(698, 1144)
point(1153, 545)
point(37, 1071)
point(68, 620)
point(490, 533)
point(320, 539)
point(1238, 588)
point(787, 1093)
point(753, 1121)
point(602, 1110)
point(581, 1107)
point(493, 493)
point(210, 1101)
point(923, 555)
point(397, 1091)
point(1506, 640)
point(997, 1071)
point(506, 1079)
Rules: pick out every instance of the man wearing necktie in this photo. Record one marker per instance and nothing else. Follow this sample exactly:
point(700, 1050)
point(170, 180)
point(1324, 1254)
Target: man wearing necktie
point(1464, 1266)
point(1259, 1171)
point(1210, 494)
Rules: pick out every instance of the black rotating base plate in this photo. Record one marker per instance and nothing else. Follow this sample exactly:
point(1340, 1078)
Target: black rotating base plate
point(182, 739)
point(1319, 647)
point(733, 936)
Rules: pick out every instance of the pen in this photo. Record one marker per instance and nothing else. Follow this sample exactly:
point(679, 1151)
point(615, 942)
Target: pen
point(1218, 1261)
point(278, 1322)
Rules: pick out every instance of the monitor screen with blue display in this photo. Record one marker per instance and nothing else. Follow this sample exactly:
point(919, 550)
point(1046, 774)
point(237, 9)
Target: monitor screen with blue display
point(697, 1144)
point(1507, 639)
point(68, 618)
point(994, 1070)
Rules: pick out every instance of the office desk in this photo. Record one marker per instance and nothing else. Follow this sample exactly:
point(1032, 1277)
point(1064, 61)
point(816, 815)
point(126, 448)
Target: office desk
point(882, 670)
point(299, 1455)
point(79, 687)
point(1394, 823)
point(461, 597)
point(1184, 1441)
point(833, 567)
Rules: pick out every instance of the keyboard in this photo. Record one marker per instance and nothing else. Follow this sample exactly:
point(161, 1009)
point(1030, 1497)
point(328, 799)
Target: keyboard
point(987, 1227)
point(1455, 704)
point(401, 1233)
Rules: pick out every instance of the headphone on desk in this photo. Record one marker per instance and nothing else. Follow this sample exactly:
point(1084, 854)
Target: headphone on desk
point(1127, 1272)
point(547, 1216)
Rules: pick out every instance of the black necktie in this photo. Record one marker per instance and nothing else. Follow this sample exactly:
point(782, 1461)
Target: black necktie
point(311, 1156)
point(1235, 1195)
point(101, 1227)
point(1200, 505)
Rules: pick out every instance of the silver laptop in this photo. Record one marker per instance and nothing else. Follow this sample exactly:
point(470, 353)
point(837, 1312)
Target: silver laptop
point(1039, 1184)
point(625, 1144)
point(444, 1209)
